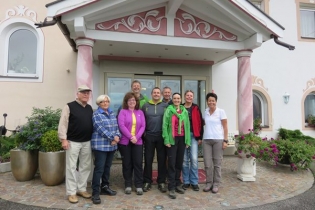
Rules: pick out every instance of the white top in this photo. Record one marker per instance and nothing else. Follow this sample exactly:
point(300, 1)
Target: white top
point(213, 127)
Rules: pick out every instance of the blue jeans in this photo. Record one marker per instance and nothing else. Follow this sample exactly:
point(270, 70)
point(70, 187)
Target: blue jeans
point(102, 163)
point(190, 164)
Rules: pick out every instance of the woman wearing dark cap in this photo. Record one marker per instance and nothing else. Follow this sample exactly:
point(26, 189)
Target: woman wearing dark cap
point(176, 134)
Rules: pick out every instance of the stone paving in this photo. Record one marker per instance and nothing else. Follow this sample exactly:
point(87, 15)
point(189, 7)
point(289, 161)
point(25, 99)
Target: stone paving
point(272, 184)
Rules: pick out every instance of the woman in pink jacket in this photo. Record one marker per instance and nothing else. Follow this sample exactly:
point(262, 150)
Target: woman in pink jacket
point(131, 122)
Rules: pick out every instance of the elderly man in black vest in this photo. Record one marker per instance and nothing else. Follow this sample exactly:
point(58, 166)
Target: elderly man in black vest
point(75, 131)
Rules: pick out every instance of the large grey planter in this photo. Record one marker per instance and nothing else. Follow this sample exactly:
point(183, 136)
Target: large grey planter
point(52, 167)
point(24, 164)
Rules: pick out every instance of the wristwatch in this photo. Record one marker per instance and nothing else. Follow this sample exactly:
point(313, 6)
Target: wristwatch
point(226, 141)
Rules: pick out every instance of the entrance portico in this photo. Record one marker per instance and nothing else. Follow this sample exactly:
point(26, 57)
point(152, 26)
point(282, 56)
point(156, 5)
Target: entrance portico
point(180, 32)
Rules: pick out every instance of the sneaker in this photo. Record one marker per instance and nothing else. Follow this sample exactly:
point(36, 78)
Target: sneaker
point(162, 187)
point(185, 186)
point(84, 194)
point(128, 190)
point(146, 187)
point(96, 199)
point(139, 191)
point(207, 188)
point(215, 190)
point(172, 194)
point(105, 190)
point(73, 199)
point(179, 190)
point(195, 187)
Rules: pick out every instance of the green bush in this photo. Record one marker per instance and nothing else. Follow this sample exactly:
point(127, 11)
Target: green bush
point(6, 144)
point(40, 121)
point(50, 142)
point(295, 148)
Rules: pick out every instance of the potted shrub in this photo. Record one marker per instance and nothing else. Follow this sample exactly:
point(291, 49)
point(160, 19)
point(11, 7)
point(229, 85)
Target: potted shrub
point(52, 159)
point(24, 159)
point(295, 149)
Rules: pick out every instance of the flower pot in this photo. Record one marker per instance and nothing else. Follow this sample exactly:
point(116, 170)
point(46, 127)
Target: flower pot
point(312, 166)
point(246, 168)
point(52, 167)
point(24, 164)
point(5, 167)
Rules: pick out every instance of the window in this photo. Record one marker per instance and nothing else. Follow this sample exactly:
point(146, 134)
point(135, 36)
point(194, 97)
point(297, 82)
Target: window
point(23, 51)
point(307, 23)
point(260, 108)
point(309, 105)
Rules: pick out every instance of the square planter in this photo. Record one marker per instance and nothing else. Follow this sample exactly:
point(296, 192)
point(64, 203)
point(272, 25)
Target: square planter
point(5, 167)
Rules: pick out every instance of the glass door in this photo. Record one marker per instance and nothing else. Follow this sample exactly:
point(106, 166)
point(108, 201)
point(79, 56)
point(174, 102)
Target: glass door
point(147, 84)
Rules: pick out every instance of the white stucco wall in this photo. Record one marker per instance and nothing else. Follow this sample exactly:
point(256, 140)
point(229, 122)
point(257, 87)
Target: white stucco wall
point(58, 84)
point(280, 69)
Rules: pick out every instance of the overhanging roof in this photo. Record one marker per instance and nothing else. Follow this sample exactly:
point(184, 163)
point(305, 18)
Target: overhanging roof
point(251, 26)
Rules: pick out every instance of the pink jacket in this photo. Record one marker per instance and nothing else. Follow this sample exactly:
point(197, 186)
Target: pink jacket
point(125, 124)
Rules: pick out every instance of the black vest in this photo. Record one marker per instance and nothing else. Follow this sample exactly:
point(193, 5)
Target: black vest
point(80, 125)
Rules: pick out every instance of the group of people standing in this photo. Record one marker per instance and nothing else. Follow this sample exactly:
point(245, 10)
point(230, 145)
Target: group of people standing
point(171, 128)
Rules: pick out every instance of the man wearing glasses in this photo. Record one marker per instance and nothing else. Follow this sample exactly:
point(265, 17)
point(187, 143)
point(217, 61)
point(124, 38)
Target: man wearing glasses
point(153, 112)
point(75, 131)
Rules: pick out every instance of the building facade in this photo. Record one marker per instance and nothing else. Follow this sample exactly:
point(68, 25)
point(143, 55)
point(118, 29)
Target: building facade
point(228, 47)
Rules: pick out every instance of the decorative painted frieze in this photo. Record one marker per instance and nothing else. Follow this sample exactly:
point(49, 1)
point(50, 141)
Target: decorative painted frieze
point(187, 25)
point(258, 82)
point(309, 84)
point(20, 11)
point(149, 22)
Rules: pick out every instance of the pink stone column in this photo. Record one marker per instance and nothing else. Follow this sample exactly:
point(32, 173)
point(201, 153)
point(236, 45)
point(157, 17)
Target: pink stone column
point(84, 74)
point(244, 91)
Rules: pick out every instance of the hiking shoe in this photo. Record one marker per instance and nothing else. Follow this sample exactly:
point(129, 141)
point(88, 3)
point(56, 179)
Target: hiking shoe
point(96, 199)
point(139, 191)
point(84, 194)
point(105, 190)
point(128, 190)
point(207, 188)
point(162, 187)
point(172, 194)
point(185, 186)
point(215, 190)
point(195, 187)
point(179, 190)
point(146, 187)
point(73, 199)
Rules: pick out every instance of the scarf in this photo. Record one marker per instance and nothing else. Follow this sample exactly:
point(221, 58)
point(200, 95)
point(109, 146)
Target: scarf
point(179, 116)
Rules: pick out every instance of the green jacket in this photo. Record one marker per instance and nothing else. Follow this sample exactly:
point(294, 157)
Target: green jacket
point(167, 132)
point(143, 99)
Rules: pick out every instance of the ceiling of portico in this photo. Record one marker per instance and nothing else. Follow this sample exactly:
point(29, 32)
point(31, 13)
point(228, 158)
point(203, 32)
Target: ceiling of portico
point(238, 17)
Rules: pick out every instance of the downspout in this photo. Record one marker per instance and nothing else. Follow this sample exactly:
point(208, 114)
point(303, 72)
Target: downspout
point(277, 41)
point(64, 29)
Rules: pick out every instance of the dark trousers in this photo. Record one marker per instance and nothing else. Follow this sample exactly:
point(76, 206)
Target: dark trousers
point(102, 163)
point(151, 143)
point(175, 155)
point(132, 156)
